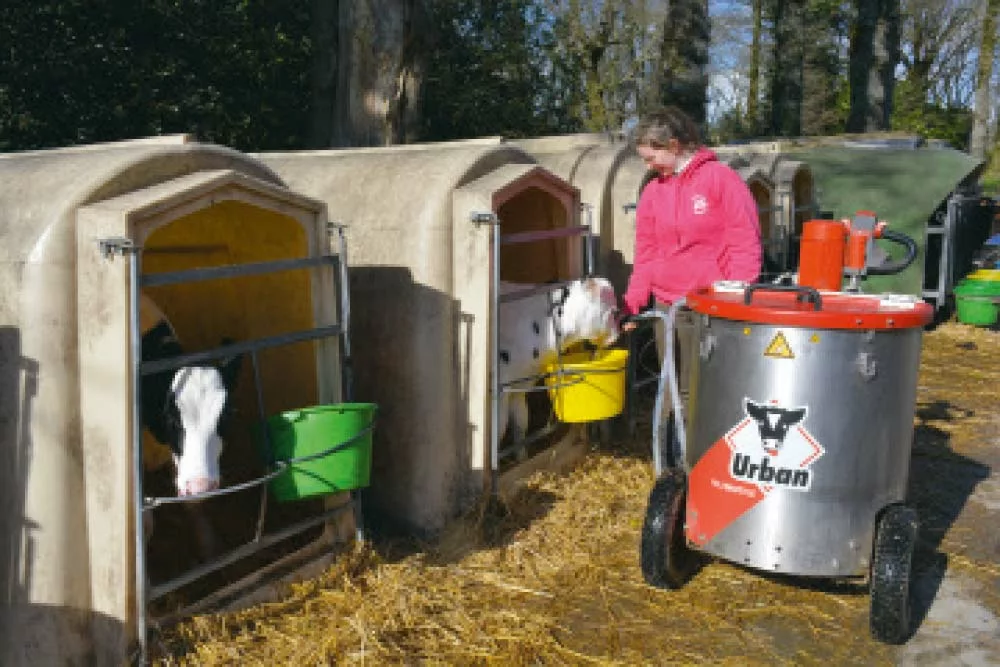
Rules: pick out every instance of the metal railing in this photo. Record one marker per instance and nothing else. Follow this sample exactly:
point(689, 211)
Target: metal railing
point(497, 388)
point(142, 504)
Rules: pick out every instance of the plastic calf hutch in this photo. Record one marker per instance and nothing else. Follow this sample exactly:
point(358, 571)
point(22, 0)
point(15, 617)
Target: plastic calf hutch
point(591, 162)
point(420, 223)
point(208, 233)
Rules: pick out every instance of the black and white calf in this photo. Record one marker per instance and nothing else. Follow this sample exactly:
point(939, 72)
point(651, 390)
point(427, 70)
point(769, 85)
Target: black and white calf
point(182, 409)
point(532, 329)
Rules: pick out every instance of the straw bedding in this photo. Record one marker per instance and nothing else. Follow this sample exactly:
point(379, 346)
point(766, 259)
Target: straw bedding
point(553, 577)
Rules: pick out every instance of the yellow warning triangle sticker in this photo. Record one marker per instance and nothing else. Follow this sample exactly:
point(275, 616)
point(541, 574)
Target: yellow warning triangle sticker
point(778, 348)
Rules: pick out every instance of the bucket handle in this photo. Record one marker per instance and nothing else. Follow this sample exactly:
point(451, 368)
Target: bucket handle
point(806, 294)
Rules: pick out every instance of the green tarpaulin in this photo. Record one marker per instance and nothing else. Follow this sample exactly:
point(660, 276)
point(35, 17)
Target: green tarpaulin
point(903, 186)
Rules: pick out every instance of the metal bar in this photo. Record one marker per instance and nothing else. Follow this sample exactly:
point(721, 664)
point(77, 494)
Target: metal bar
point(589, 240)
point(531, 439)
point(247, 549)
point(139, 537)
point(631, 371)
point(241, 347)
point(667, 380)
point(156, 501)
point(312, 551)
point(495, 394)
point(233, 271)
point(345, 319)
point(347, 367)
point(332, 449)
point(528, 237)
point(269, 453)
point(544, 288)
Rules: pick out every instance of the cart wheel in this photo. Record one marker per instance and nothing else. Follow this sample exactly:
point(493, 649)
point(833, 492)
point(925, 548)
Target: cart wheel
point(666, 560)
point(890, 576)
point(668, 442)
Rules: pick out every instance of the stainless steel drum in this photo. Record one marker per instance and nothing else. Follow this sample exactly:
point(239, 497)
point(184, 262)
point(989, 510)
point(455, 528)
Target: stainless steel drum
point(801, 425)
point(797, 451)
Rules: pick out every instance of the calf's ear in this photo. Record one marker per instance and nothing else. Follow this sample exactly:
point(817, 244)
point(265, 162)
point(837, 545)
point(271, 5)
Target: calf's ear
point(230, 371)
point(230, 368)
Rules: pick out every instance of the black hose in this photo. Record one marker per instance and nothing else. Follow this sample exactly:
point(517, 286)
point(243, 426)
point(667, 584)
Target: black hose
point(896, 267)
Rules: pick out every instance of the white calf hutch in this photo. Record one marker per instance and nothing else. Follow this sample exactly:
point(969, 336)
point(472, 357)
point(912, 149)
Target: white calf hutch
point(422, 223)
point(240, 264)
point(592, 163)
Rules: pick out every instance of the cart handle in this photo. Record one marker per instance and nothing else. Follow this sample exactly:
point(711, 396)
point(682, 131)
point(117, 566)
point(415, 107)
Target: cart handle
point(805, 293)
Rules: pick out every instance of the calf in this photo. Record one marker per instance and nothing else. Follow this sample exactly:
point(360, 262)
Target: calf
point(181, 413)
point(182, 408)
point(773, 423)
point(533, 329)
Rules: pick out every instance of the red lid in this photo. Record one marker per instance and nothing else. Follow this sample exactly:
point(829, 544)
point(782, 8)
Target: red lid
point(793, 305)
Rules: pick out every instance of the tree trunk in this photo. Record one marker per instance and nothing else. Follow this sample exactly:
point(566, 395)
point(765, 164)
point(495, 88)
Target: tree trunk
point(684, 57)
point(379, 72)
point(820, 71)
point(874, 56)
point(979, 140)
point(323, 78)
point(786, 72)
point(753, 93)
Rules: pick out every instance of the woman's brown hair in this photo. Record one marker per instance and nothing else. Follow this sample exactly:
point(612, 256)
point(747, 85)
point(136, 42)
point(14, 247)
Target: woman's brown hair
point(659, 127)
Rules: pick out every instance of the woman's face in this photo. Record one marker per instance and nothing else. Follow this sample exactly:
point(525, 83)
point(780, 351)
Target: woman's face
point(658, 158)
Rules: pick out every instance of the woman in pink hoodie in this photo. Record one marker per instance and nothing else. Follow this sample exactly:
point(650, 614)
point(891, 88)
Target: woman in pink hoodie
point(696, 223)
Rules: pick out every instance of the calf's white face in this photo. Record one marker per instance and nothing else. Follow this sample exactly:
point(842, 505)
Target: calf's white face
point(200, 396)
point(531, 329)
point(589, 312)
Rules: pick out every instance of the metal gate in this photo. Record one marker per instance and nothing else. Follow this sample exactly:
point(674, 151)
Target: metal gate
point(337, 263)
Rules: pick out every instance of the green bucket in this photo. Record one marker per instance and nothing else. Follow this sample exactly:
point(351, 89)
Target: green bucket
point(977, 302)
point(300, 433)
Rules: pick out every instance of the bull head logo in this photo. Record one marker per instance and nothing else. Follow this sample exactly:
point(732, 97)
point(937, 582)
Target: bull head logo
point(773, 423)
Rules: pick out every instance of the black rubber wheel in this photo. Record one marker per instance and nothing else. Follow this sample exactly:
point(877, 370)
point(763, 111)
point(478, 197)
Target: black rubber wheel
point(892, 567)
point(668, 442)
point(666, 560)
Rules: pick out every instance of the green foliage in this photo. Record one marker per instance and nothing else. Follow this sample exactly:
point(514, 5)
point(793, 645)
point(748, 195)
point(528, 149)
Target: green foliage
point(990, 179)
point(484, 75)
point(914, 114)
point(229, 71)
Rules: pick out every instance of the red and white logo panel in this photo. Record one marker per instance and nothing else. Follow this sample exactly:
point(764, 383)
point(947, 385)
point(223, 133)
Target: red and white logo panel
point(768, 449)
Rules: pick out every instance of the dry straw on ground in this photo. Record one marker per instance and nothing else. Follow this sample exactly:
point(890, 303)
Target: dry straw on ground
point(554, 578)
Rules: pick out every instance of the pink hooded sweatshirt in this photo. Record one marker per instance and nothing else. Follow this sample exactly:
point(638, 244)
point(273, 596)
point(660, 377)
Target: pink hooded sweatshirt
point(692, 229)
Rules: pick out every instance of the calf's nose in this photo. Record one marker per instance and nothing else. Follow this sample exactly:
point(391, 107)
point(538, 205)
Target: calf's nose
point(199, 485)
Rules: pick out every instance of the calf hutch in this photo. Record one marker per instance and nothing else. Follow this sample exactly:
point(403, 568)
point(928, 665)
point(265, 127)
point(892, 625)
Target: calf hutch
point(242, 268)
point(423, 224)
point(592, 162)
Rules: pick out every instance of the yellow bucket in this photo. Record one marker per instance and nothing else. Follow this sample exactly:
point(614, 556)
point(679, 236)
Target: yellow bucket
point(985, 274)
point(591, 386)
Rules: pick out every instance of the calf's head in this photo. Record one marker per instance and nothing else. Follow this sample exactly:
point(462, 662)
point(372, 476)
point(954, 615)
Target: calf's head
point(589, 312)
point(194, 411)
point(773, 423)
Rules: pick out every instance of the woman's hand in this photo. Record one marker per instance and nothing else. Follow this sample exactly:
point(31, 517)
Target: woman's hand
point(626, 324)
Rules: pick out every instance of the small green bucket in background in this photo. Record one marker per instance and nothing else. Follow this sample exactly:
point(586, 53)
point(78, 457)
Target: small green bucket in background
point(977, 302)
point(299, 433)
